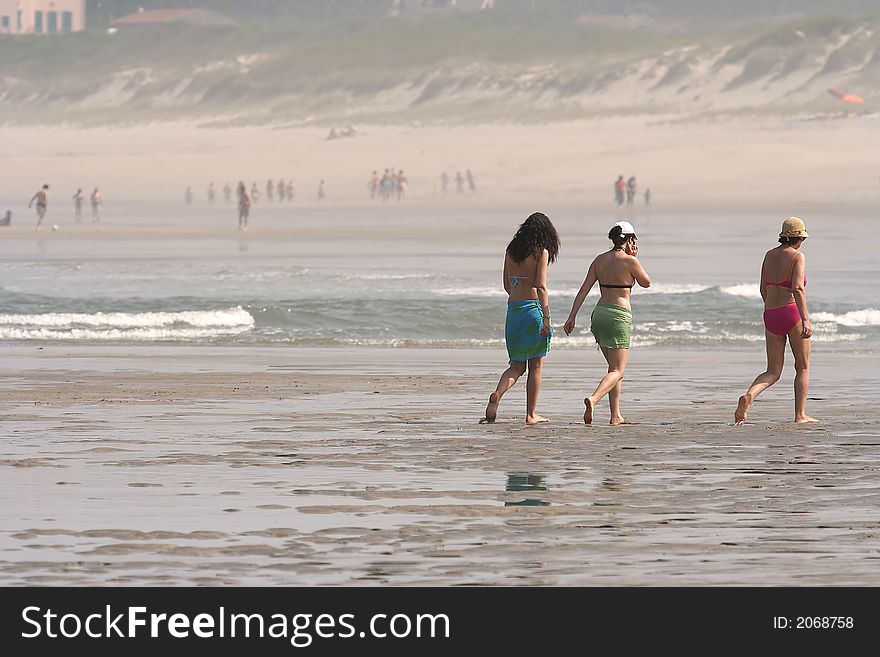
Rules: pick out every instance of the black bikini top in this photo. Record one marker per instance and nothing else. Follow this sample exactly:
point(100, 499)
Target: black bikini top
point(628, 287)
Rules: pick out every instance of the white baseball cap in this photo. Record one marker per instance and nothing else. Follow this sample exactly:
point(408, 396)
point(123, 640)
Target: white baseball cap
point(626, 228)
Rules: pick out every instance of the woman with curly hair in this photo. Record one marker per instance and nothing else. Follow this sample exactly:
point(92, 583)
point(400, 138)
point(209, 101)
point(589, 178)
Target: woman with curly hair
point(527, 328)
point(616, 271)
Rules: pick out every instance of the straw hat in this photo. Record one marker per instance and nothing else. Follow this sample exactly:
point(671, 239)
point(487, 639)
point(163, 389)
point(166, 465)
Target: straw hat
point(794, 227)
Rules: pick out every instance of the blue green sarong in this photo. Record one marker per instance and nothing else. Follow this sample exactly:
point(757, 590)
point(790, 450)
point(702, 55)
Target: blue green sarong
point(611, 325)
point(522, 331)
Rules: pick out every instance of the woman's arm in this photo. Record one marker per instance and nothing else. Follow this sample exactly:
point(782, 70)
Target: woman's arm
point(586, 286)
point(635, 267)
point(505, 279)
point(761, 284)
point(800, 293)
point(541, 288)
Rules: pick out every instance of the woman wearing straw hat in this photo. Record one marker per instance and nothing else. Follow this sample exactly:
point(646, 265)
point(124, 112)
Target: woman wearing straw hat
point(616, 271)
point(783, 288)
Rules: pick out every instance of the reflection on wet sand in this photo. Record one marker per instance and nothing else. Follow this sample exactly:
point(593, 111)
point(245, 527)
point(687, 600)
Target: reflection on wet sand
point(517, 481)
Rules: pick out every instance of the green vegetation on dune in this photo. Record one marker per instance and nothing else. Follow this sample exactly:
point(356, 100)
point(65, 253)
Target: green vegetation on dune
point(452, 66)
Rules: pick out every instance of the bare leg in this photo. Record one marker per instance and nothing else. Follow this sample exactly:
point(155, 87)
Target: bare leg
point(614, 405)
point(800, 349)
point(617, 359)
point(775, 361)
point(505, 383)
point(533, 387)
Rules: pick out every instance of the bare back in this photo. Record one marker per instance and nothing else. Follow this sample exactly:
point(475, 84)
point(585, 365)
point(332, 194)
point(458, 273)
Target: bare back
point(520, 278)
point(782, 264)
point(616, 268)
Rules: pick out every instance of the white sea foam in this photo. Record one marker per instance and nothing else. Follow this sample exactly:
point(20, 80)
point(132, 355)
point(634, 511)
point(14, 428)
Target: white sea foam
point(230, 318)
point(865, 317)
point(133, 334)
point(748, 290)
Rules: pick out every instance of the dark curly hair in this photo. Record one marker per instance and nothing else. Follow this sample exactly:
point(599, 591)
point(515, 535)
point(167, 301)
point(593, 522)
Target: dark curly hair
point(533, 236)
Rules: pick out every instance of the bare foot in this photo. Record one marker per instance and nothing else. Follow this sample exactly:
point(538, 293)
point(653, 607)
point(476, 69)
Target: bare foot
point(619, 420)
point(588, 413)
point(536, 419)
point(806, 419)
point(742, 409)
point(491, 409)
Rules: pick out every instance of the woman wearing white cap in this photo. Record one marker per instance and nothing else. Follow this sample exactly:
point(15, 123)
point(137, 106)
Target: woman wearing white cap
point(783, 288)
point(616, 271)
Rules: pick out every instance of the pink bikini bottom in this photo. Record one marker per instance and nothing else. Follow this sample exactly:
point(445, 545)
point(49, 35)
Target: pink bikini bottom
point(781, 320)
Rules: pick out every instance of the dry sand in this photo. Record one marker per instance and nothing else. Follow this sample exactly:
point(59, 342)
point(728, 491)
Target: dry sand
point(768, 163)
point(174, 465)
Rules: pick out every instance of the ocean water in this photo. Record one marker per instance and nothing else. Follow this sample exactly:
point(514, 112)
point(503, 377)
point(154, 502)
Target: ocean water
point(407, 285)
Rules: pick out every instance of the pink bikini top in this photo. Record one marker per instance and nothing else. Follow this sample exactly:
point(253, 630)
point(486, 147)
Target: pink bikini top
point(787, 281)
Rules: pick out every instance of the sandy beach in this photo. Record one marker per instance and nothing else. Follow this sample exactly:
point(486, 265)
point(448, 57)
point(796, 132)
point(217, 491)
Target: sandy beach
point(145, 465)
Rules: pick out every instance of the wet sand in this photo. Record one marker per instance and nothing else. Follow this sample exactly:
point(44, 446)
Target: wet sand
point(170, 465)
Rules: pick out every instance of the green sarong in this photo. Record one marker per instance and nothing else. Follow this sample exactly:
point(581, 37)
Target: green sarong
point(611, 325)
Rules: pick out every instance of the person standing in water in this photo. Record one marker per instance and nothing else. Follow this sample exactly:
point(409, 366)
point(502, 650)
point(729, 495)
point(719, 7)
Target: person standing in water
point(244, 206)
point(227, 192)
point(444, 183)
point(619, 190)
point(96, 201)
point(211, 193)
point(78, 200)
point(616, 271)
point(527, 330)
point(321, 191)
point(472, 184)
point(783, 288)
point(188, 196)
point(41, 197)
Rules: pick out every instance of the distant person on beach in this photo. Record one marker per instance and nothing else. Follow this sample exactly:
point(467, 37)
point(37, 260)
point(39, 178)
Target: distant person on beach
point(616, 271)
point(188, 196)
point(41, 198)
point(648, 197)
point(444, 183)
point(631, 189)
point(783, 288)
point(459, 183)
point(255, 193)
point(211, 193)
point(96, 201)
point(290, 190)
point(373, 185)
point(619, 191)
point(321, 191)
point(244, 206)
point(527, 330)
point(78, 200)
point(402, 184)
point(7, 219)
point(227, 192)
point(472, 185)
point(270, 191)
point(281, 187)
